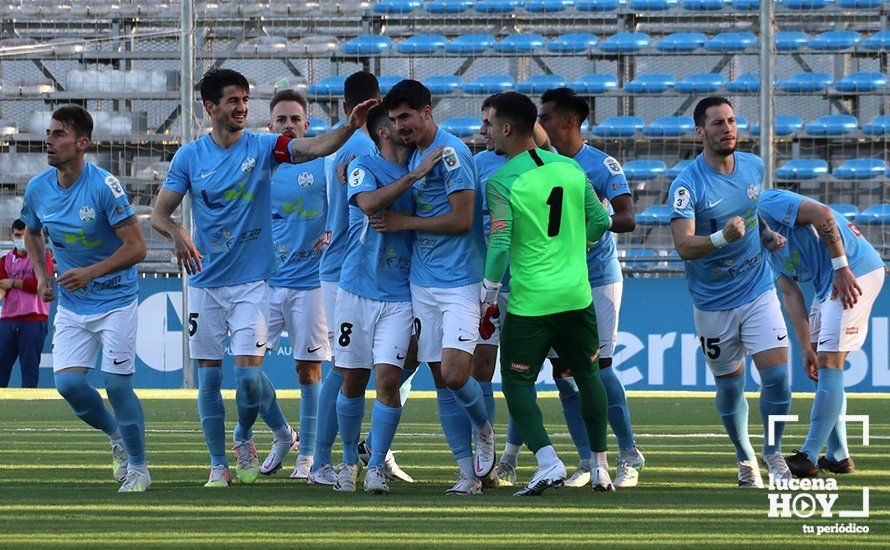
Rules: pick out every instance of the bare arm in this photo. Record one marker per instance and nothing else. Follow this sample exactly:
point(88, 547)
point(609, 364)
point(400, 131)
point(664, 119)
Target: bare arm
point(822, 219)
point(187, 255)
point(692, 247)
point(542, 140)
point(795, 307)
point(306, 149)
point(459, 220)
point(623, 220)
point(129, 253)
point(37, 252)
point(372, 202)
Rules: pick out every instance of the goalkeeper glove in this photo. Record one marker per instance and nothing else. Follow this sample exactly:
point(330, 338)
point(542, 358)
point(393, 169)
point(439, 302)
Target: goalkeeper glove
point(486, 327)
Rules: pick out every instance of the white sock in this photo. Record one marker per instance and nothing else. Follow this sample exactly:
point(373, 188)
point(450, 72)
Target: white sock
point(139, 467)
point(511, 454)
point(599, 460)
point(116, 438)
point(546, 456)
point(466, 467)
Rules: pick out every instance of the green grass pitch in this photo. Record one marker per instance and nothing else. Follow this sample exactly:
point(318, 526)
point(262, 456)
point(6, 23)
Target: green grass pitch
point(56, 487)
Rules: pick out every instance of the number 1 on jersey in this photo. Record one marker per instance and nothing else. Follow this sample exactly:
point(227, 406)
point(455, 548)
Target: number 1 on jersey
point(554, 201)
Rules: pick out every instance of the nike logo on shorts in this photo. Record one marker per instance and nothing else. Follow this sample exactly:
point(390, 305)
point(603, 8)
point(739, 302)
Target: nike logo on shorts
point(462, 339)
point(399, 357)
point(116, 362)
point(313, 350)
point(824, 342)
point(783, 337)
point(259, 345)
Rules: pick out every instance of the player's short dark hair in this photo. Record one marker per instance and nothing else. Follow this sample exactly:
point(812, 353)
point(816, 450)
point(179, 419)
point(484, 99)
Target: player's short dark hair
point(75, 117)
point(487, 102)
point(360, 86)
point(567, 101)
point(701, 109)
point(18, 225)
point(289, 95)
point(518, 109)
point(408, 92)
point(378, 117)
point(215, 80)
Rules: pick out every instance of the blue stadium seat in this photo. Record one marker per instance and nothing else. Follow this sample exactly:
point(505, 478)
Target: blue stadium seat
point(806, 82)
point(519, 43)
point(489, 84)
point(585, 127)
point(859, 4)
point(639, 253)
point(655, 83)
point(832, 41)
point(651, 5)
point(422, 44)
point(546, 6)
point(701, 83)
point(330, 86)
point(832, 125)
point(367, 44)
point(461, 126)
point(443, 84)
point(878, 41)
point(802, 169)
point(788, 41)
point(861, 82)
point(675, 170)
point(448, 6)
point(595, 84)
point(670, 126)
point(879, 126)
point(657, 214)
point(540, 83)
point(803, 4)
point(468, 44)
point(316, 126)
point(746, 83)
point(785, 125)
point(704, 5)
point(387, 82)
point(731, 42)
point(860, 169)
point(876, 214)
point(746, 4)
point(572, 43)
point(618, 126)
point(597, 5)
point(741, 123)
point(396, 6)
point(682, 42)
point(642, 170)
point(846, 210)
point(495, 6)
point(625, 42)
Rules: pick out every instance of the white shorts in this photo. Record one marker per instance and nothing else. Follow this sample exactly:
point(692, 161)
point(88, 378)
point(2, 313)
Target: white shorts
point(370, 332)
point(833, 328)
point(329, 299)
point(727, 336)
point(301, 313)
point(237, 311)
point(606, 304)
point(445, 318)
point(77, 338)
point(495, 339)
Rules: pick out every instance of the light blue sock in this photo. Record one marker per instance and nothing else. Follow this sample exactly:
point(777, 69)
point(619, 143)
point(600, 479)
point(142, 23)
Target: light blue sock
point(837, 440)
point(826, 410)
point(775, 398)
point(248, 396)
point(470, 399)
point(128, 411)
point(384, 421)
point(308, 416)
point(270, 410)
point(513, 435)
point(571, 409)
point(619, 414)
point(405, 384)
point(326, 429)
point(455, 424)
point(488, 398)
point(733, 410)
point(350, 411)
point(213, 413)
point(85, 401)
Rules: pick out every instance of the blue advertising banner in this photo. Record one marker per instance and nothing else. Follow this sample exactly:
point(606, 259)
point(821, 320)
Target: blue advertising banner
point(657, 346)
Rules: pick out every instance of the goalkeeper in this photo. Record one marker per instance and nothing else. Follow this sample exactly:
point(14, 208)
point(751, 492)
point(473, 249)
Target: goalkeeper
point(544, 213)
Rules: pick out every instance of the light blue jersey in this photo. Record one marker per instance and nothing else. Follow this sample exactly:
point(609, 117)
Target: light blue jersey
point(377, 265)
point(299, 203)
point(447, 261)
point(487, 163)
point(231, 206)
point(737, 273)
point(337, 224)
point(607, 179)
point(804, 256)
point(79, 221)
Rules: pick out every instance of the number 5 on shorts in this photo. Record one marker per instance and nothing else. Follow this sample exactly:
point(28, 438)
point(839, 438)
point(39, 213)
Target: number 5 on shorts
point(193, 323)
point(710, 347)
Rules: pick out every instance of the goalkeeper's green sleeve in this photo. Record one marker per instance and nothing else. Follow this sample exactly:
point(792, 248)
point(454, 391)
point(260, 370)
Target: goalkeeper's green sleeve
point(501, 230)
point(598, 220)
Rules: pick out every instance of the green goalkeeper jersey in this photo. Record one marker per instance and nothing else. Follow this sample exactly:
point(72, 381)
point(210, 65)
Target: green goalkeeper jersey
point(544, 212)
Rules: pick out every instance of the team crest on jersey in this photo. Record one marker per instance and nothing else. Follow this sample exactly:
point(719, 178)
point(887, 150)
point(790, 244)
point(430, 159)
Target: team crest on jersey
point(115, 185)
point(753, 191)
point(613, 166)
point(248, 165)
point(681, 198)
point(306, 179)
point(87, 214)
point(449, 157)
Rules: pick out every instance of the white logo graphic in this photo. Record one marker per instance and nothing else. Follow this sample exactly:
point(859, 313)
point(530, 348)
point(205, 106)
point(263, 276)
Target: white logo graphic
point(681, 198)
point(306, 179)
point(449, 156)
point(753, 191)
point(613, 166)
point(356, 177)
point(207, 174)
point(715, 203)
point(115, 185)
point(87, 214)
point(248, 165)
